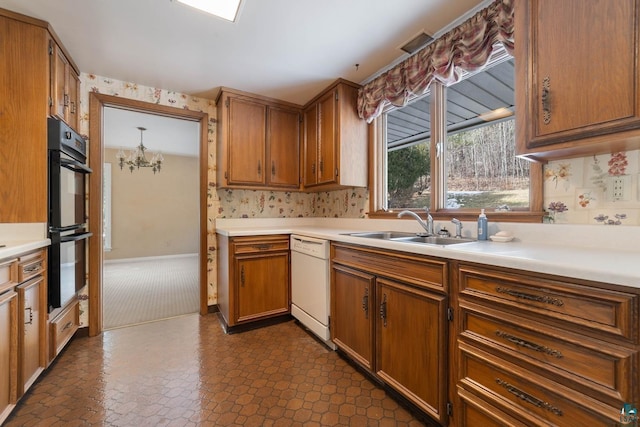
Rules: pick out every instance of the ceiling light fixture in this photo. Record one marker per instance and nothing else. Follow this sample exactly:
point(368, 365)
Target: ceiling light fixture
point(137, 159)
point(226, 9)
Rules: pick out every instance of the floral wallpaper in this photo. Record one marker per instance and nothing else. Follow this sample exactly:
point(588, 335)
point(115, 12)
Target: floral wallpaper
point(351, 203)
point(599, 190)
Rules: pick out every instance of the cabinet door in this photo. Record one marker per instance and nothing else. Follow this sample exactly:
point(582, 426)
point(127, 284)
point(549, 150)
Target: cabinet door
point(8, 353)
point(263, 285)
point(73, 112)
point(284, 148)
point(247, 139)
point(32, 321)
point(328, 137)
point(352, 294)
point(411, 344)
point(584, 68)
point(59, 78)
point(311, 146)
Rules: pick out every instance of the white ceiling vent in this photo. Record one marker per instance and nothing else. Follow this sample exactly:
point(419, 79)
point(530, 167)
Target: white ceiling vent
point(416, 43)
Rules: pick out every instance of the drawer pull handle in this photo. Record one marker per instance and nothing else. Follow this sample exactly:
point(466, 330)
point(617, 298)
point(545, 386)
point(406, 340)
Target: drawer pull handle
point(539, 403)
point(66, 326)
point(529, 297)
point(30, 321)
point(365, 303)
point(530, 345)
point(383, 310)
point(262, 247)
point(32, 268)
point(242, 276)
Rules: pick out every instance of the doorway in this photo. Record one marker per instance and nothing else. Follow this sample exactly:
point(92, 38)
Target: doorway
point(150, 225)
point(98, 104)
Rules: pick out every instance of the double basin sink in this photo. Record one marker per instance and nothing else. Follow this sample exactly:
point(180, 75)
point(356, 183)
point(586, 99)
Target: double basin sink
point(399, 236)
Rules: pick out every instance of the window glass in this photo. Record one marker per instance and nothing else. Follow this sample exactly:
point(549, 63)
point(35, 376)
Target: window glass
point(480, 169)
point(408, 156)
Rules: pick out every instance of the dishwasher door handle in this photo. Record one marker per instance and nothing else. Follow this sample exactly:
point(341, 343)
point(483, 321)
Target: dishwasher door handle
point(311, 242)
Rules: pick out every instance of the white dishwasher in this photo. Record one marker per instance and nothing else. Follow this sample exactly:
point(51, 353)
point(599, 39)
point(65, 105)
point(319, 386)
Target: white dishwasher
point(310, 290)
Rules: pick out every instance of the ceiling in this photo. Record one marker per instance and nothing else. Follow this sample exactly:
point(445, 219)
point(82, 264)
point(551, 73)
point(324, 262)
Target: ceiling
point(286, 49)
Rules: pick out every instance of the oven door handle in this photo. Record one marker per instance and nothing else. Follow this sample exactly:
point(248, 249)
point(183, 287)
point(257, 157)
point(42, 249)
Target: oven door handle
point(75, 166)
point(74, 237)
point(67, 228)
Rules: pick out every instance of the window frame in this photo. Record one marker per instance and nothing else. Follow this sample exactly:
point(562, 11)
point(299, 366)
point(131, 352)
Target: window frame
point(378, 173)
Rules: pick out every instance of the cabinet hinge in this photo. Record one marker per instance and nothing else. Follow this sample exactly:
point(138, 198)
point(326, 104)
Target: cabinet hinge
point(336, 172)
point(50, 47)
point(336, 94)
point(226, 103)
point(449, 409)
point(226, 175)
point(50, 102)
point(449, 313)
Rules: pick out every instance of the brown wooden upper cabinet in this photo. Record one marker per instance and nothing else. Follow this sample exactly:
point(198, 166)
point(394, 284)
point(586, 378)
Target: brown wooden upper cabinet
point(577, 77)
point(65, 87)
point(35, 68)
point(334, 140)
point(258, 142)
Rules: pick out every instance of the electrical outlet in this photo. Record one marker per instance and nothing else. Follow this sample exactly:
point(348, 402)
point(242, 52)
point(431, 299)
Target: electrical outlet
point(619, 188)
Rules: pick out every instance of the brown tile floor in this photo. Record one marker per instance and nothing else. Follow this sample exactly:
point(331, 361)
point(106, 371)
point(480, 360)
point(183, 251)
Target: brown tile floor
point(186, 372)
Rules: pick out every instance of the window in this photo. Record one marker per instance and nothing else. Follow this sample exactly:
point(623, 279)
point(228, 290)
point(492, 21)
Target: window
point(453, 149)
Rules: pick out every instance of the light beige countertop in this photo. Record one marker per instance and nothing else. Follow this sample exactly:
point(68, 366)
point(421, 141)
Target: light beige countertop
point(20, 238)
point(600, 253)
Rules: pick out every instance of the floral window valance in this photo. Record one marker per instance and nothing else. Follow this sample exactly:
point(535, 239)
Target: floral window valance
point(466, 47)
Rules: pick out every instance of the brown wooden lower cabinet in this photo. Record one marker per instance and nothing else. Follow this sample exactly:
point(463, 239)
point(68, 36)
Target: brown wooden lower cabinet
point(393, 323)
point(352, 313)
point(253, 278)
point(23, 325)
point(62, 328)
point(539, 350)
point(8, 353)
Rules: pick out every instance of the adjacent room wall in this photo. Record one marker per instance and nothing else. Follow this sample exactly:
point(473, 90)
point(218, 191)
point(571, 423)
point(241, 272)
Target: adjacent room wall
point(154, 215)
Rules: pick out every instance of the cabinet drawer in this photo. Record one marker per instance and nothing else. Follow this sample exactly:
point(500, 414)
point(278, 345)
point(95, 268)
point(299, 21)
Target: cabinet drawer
point(266, 244)
point(474, 412)
point(31, 265)
point(611, 312)
point(63, 327)
point(8, 274)
point(418, 270)
point(589, 363)
point(525, 395)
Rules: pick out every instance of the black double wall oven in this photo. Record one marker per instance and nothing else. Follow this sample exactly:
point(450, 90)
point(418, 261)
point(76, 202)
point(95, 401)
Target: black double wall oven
point(68, 173)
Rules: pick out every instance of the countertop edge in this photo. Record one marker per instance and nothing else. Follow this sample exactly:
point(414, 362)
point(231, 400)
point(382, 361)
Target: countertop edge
point(612, 267)
point(15, 248)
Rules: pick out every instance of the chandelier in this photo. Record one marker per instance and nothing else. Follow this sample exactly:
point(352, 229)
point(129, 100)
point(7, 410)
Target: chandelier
point(137, 158)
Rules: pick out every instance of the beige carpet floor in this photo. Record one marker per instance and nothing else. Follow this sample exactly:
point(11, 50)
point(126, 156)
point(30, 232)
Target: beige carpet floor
point(145, 290)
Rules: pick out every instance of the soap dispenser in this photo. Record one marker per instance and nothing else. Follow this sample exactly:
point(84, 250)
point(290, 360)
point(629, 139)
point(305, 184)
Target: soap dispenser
point(482, 226)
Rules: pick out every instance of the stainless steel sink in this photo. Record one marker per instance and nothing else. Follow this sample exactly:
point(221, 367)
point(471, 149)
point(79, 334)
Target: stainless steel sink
point(434, 240)
point(399, 236)
point(384, 235)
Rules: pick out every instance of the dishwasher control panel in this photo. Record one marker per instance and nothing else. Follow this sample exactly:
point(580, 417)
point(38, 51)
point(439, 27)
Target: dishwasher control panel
point(318, 248)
